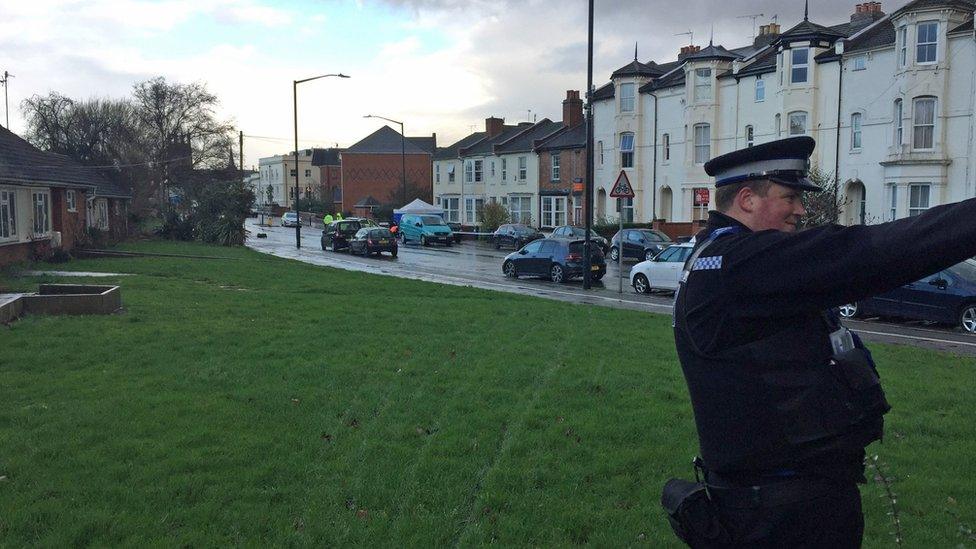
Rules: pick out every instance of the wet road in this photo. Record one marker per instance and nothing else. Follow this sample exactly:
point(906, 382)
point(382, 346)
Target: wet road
point(478, 265)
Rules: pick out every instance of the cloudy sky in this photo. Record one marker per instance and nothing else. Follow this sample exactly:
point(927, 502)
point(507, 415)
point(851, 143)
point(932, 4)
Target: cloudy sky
point(438, 65)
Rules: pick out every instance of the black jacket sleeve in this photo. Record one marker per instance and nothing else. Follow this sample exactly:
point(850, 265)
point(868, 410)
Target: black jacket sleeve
point(772, 273)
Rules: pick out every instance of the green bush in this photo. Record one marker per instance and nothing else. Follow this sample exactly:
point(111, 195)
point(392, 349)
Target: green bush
point(493, 215)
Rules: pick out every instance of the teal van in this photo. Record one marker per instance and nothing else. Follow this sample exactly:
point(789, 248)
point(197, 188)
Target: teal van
point(425, 228)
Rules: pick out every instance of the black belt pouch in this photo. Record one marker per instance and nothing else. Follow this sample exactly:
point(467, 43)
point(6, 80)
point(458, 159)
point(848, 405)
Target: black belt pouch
point(693, 516)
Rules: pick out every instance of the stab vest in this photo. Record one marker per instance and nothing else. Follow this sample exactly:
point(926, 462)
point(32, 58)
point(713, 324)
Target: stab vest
point(781, 400)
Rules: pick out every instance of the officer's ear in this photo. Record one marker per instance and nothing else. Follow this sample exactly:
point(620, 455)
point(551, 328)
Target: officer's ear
point(746, 198)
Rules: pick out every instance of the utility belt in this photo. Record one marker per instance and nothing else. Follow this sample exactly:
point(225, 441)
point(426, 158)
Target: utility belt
point(693, 507)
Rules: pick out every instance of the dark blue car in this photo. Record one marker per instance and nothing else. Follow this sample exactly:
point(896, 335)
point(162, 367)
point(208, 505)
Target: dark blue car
point(948, 297)
point(555, 258)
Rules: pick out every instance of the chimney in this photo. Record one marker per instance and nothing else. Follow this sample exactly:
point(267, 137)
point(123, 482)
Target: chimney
point(572, 109)
point(494, 126)
point(866, 13)
point(767, 34)
point(688, 50)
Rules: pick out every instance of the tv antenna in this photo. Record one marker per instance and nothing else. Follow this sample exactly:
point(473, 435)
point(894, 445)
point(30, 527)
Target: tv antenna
point(6, 104)
point(691, 36)
point(752, 16)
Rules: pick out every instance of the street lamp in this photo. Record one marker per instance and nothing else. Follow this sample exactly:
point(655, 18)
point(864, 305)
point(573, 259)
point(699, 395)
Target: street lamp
point(294, 89)
point(403, 156)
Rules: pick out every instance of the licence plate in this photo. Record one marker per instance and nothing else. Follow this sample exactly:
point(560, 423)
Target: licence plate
point(384, 241)
point(594, 267)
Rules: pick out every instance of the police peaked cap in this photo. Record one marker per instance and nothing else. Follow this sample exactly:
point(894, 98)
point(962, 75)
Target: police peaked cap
point(785, 161)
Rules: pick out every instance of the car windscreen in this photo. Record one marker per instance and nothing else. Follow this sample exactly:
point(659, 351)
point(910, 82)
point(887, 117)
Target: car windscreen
point(655, 236)
point(965, 270)
point(290, 215)
point(523, 230)
point(430, 220)
point(380, 233)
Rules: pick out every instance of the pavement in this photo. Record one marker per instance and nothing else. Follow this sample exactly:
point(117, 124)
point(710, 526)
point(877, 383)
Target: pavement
point(478, 265)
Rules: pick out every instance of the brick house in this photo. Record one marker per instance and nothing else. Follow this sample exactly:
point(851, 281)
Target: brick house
point(562, 175)
point(327, 162)
point(372, 168)
point(47, 201)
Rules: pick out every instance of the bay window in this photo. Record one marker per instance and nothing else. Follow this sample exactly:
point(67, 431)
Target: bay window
point(8, 214)
point(798, 123)
point(800, 65)
point(520, 209)
point(553, 211)
point(926, 43)
point(924, 130)
point(627, 150)
point(703, 143)
point(918, 198)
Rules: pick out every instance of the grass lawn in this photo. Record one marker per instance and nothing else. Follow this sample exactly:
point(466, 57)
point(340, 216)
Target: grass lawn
point(255, 400)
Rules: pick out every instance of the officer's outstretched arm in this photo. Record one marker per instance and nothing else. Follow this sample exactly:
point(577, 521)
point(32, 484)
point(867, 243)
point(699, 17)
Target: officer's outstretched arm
point(773, 273)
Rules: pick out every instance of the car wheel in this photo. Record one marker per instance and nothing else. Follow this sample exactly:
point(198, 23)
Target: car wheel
point(967, 318)
point(509, 269)
point(649, 255)
point(556, 273)
point(449, 243)
point(641, 284)
point(848, 311)
point(614, 254)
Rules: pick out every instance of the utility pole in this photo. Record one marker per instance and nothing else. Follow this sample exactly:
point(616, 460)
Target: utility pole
point(588, 184)
point(6, 103)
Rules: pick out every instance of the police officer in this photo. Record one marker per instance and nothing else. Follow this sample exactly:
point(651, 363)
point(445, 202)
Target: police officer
point(786, 399)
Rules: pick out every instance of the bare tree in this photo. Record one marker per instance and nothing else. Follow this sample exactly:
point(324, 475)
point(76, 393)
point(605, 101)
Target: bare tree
point(824, 207)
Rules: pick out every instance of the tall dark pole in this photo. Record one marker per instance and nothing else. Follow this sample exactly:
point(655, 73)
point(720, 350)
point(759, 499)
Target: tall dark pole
point(298, 225)
point(588, 186)
point(403, 164)
point(6, 104)
point(294, 90)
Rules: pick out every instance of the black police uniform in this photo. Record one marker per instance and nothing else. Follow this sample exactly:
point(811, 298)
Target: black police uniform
point(783, 415)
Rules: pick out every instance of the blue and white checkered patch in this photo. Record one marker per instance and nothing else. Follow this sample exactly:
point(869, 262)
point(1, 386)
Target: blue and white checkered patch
point(708, 263)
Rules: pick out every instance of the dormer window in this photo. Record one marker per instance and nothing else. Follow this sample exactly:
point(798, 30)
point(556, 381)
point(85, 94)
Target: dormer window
point(627, 97)
point(703, 84)
point(927, 44)
point(800, 64)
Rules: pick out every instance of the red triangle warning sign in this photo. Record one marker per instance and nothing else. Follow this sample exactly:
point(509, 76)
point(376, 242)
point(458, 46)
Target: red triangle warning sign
point(622, 188)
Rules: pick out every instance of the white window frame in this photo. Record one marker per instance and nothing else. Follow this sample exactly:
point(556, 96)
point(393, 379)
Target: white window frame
point(599, 146)
point(627, 93)
point(8, 214)
point(929, 47)
point(804, 66)
point(859, 63)
point(452, 208)
point(520, 209)
point(856, 133)
point(553, 211)
point(902, 46)
point(473, 206)
point(71, 200)
point(469, 171)
point(760, 95)
point(554, 176)
point(437, 173)
point(666, 146)
point(627, 150)
point(625, 208)
point(916, 204)
point(451, 168)
point(798, 115)
point(479, 168)
point(523, 168)
point(703, 143)
point(750, 136)
point(504, 169)
point(930, 125)
point(899, 115)
point(703, 85)
point(41, 212)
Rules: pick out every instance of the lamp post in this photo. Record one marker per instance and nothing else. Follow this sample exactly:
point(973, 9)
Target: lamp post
point(588, 188)
point(403, 156)
point(294, 90)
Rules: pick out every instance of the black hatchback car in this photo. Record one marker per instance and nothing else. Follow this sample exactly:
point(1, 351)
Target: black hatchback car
point(515, 235)
point(558, 259)
point(336, 236)
point(373, 240)
point(640, 244)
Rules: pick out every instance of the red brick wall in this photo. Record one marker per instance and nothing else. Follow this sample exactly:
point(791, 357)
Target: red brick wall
point(572, 166)
point(378, 175)
point(71, 224)
point(331, 177)
point(13, 253)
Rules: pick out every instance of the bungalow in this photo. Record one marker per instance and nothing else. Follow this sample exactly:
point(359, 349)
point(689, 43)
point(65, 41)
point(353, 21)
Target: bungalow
point(47, 201)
